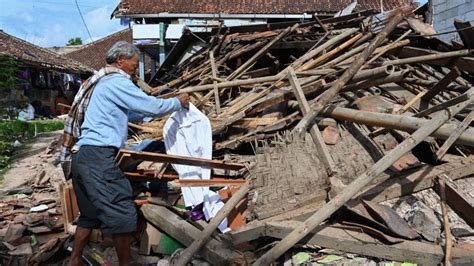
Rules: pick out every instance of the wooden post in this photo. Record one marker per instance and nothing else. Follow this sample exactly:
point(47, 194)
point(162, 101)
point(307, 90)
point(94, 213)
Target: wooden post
point(314, 131)
point(188, 253)
point(447, 228)
point(357, 185)
point(328, 95)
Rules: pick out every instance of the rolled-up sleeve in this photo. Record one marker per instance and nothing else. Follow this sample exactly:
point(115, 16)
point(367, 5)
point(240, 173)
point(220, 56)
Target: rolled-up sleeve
point(128, 96)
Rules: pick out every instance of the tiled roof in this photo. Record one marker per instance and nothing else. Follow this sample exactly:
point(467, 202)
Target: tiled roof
point(130, 7)
point(93, 54)
point(35, 55)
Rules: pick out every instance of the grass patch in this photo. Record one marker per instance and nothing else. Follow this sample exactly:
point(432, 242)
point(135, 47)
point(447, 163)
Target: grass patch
point(10, 131)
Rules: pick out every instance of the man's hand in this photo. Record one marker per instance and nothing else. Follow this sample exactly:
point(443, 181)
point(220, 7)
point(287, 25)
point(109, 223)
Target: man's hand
point(184, 100)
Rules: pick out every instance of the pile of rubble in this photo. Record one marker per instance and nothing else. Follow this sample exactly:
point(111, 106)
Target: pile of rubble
point(387, 107)
point(332, 140)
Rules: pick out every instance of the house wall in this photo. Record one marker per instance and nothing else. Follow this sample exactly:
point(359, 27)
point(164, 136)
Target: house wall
point(445, 11)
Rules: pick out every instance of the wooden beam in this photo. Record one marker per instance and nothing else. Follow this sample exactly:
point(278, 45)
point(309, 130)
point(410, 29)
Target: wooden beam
point(447, 229)
point(213, 251)
point(314, 131)
point(197, 244)
point(417, 180)
point(124, 155)
point(463, 63)
point(442, 84)
point(459, 204)
point(363, 244)
point(466, 32)
point(215, 182)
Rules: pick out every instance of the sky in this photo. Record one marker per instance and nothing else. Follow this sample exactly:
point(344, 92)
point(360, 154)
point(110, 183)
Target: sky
point(50, 23)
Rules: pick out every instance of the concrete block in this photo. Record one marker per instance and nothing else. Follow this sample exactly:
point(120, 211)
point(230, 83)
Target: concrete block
point(454, 3)
point(469, 16)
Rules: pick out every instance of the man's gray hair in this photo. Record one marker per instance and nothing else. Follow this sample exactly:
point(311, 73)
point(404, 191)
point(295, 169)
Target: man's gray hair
point(121, 48)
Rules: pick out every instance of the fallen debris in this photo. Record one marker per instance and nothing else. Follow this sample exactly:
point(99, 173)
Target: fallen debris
point(325, 133)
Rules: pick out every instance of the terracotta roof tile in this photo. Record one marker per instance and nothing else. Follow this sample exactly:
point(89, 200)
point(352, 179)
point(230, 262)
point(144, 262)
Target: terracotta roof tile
point(129, 7)
point(32, 54)
point(93, 54)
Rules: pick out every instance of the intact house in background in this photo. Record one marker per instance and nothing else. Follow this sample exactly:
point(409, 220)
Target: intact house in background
point(443, 13)
point(158, 24)
point(45, 78)
point(93, 54)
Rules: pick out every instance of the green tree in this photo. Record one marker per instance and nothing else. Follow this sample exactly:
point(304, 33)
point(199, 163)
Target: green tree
point(74, 41)
point(8, 84)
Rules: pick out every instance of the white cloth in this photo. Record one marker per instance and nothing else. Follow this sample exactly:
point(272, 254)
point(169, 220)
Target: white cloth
point(27, 114)
point(188, 133)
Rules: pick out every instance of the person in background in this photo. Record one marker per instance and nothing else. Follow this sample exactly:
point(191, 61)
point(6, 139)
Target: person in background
point(103, 193)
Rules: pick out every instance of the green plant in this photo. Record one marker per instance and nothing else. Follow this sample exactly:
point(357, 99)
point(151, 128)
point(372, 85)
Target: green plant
point(6, 148)
point(9, 70)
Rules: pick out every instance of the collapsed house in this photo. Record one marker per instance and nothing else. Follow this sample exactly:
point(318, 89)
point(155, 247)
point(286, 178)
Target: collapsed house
point(330, 137)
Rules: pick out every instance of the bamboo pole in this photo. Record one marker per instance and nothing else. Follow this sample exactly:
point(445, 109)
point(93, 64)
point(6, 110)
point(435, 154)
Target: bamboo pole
point(312, 53)
point(327, 96)
point(314, 62)
point(199, 242)
point(239, 71)
point(428, 58)
point(399, 122)
point(397, 43)
point(357, 185)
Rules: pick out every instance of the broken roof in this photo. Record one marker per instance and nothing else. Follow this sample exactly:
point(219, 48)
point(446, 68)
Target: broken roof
point(35, 55)
point(127, 7)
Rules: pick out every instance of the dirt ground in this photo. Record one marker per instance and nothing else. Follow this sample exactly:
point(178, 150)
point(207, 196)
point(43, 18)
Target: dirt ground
point(26, 163)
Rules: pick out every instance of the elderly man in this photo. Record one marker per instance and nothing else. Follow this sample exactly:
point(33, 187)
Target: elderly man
point(104, 195)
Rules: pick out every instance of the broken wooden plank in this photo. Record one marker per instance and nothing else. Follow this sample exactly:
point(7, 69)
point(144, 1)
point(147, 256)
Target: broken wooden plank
point(442, 84)
point(213, 251)
point(452, 138)
point(447, 229)
point(466, 32)
point(363, 244)
point(124, 155)
point(459, 203)
point(417, 180)
point(197, 244)
point(215, 182)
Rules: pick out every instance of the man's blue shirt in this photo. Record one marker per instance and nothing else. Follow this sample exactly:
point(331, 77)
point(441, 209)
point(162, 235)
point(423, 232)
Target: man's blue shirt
point(116, 99)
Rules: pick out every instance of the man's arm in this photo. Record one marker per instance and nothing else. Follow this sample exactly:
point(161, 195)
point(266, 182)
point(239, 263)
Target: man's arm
point(126, 95)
